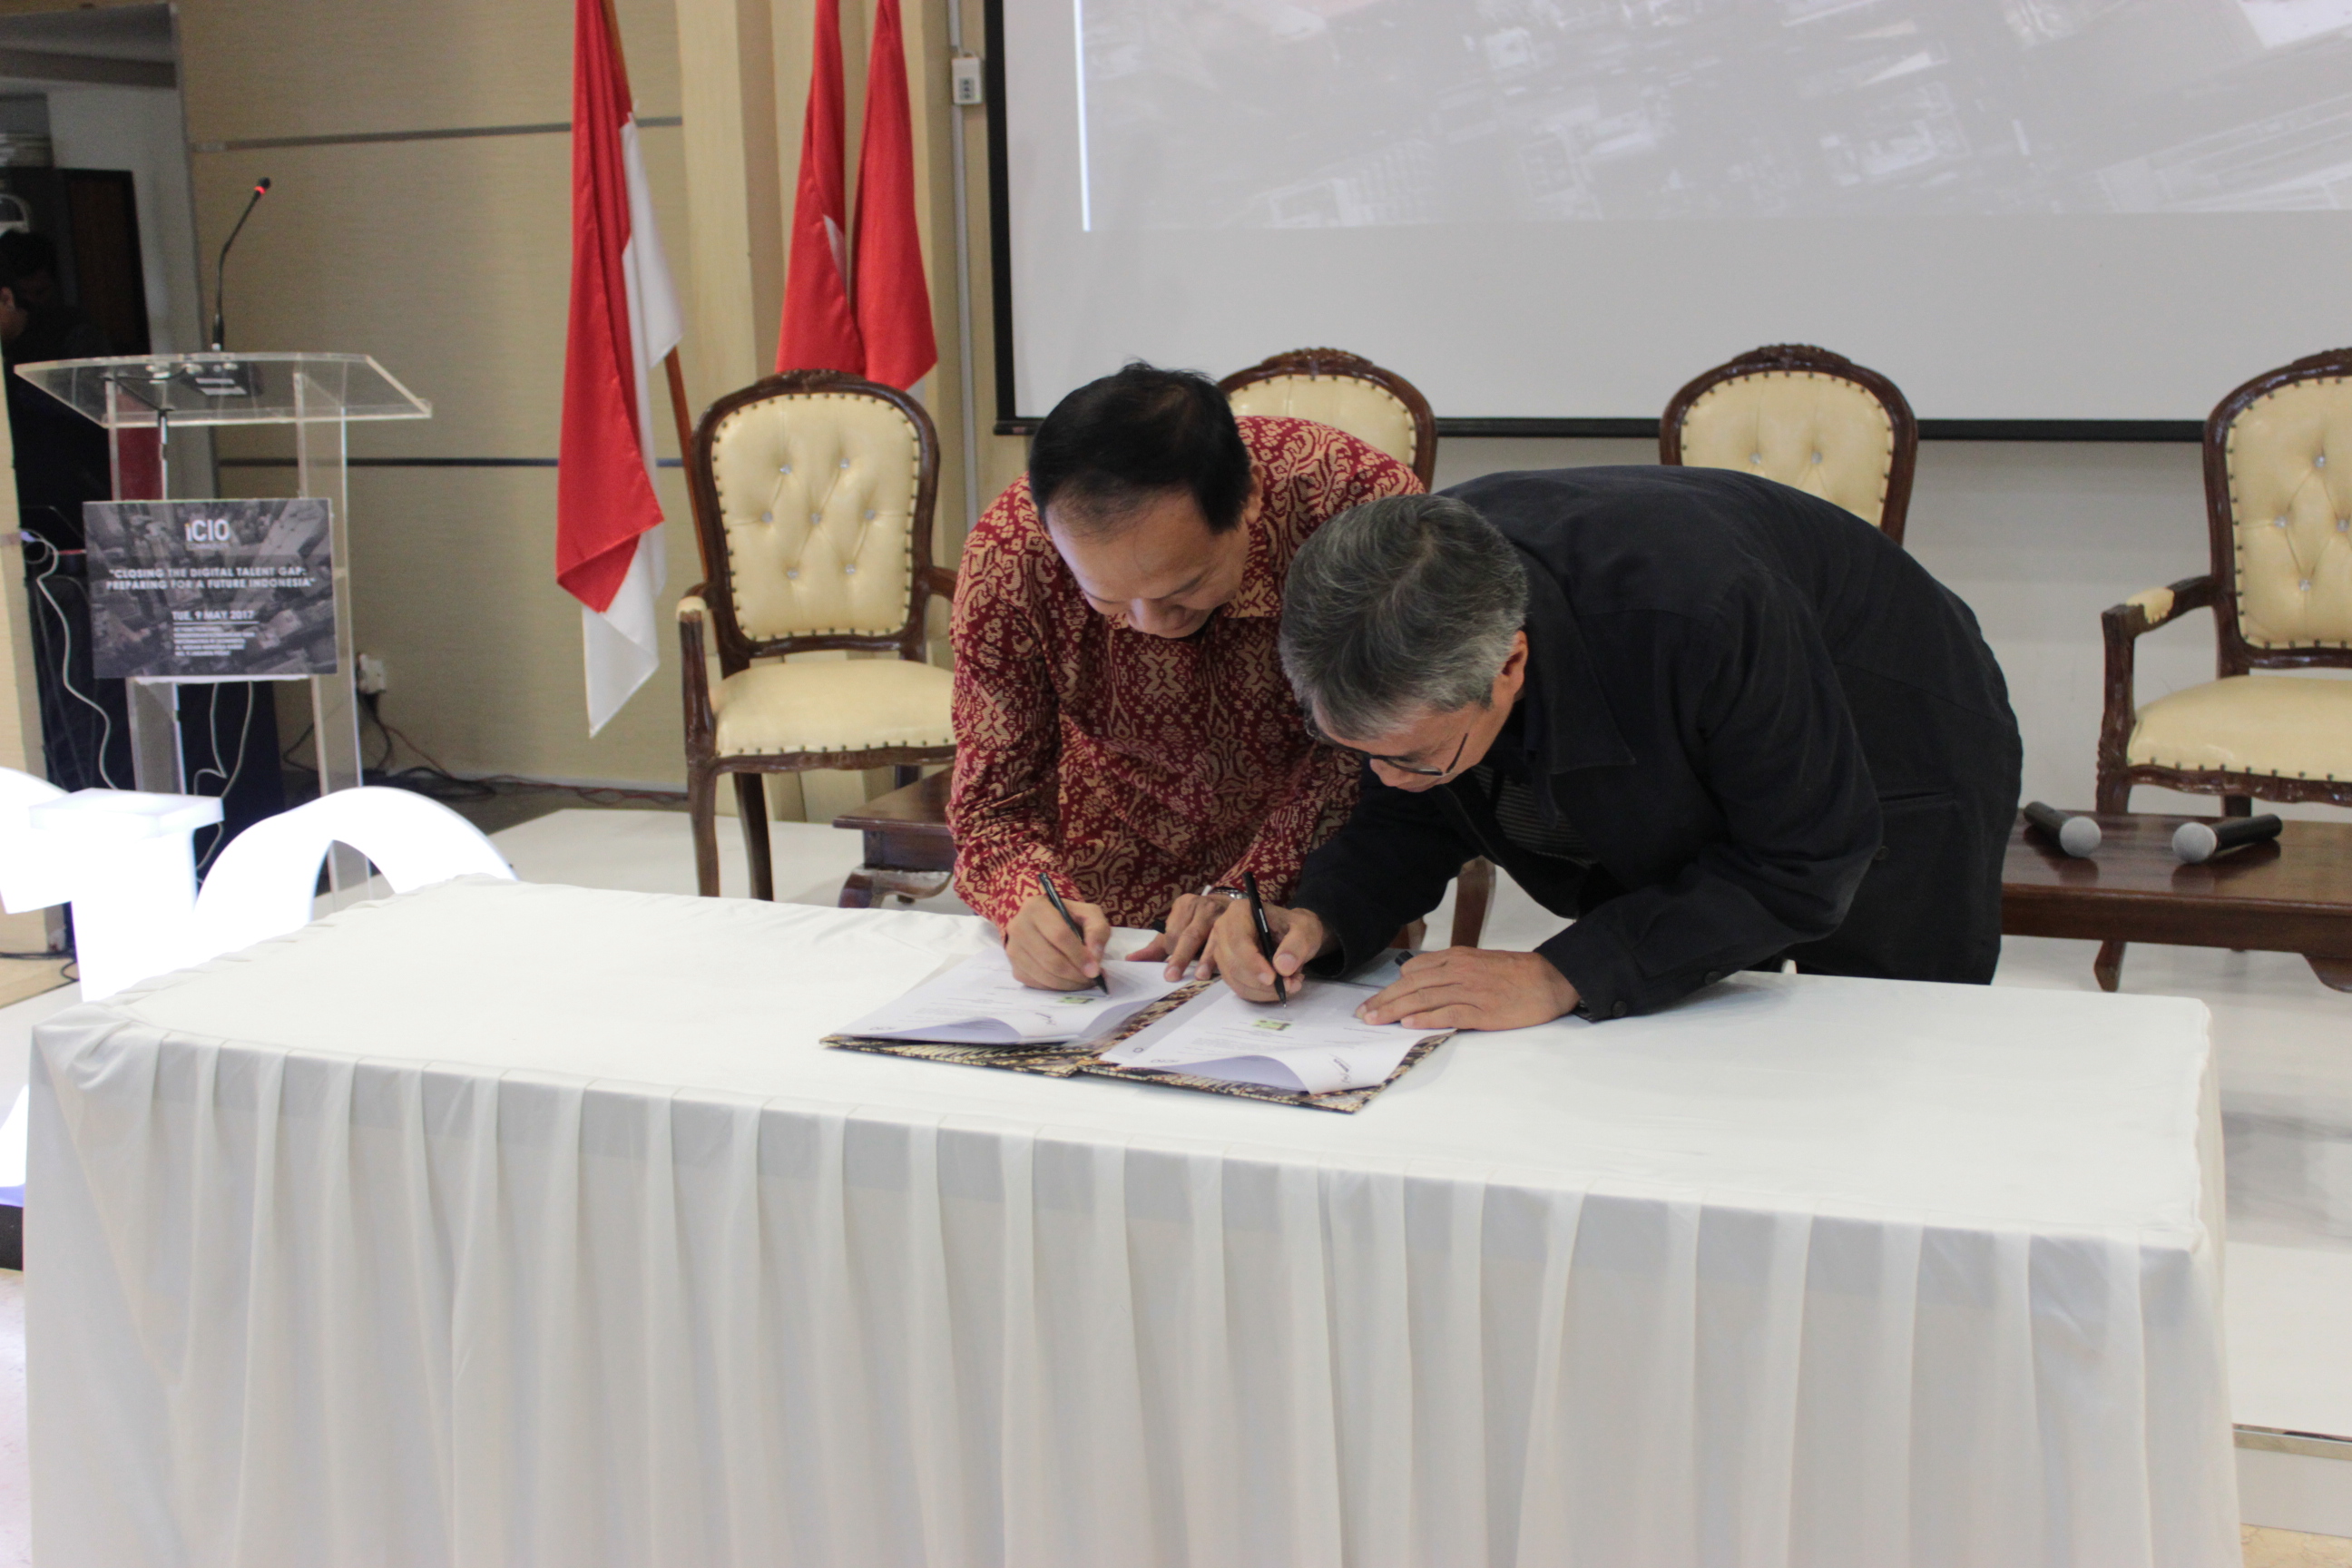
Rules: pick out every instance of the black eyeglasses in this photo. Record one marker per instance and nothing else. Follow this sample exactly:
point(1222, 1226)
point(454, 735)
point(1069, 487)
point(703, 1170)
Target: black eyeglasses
point(1399, 764)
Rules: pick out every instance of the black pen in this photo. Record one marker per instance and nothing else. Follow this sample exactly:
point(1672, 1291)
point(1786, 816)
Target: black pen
point(1063, 910)
point(1264, 935)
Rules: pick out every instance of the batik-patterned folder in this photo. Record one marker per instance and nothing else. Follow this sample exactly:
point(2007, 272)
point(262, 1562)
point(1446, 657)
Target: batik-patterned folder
point(1086, 1061)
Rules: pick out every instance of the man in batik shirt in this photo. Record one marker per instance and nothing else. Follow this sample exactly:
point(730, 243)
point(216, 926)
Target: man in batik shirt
point(1122, 722)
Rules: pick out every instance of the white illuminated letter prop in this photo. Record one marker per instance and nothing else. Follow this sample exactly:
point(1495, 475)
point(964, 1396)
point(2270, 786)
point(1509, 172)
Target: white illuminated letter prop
point(131, 873)
point(261, 884)
point(127, 863)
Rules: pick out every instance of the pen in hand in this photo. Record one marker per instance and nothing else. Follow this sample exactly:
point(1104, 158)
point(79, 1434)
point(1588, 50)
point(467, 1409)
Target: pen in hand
point(1063, 910)
point(1265, 944)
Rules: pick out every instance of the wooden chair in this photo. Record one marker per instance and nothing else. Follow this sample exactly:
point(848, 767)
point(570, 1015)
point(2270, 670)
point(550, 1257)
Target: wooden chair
point(1387, 413)
point(2278, 514)
point(1347, 391)
point(1807, 418)
point(813, 495)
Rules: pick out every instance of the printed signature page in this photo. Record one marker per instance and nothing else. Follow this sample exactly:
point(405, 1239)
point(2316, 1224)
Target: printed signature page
point(1314, 1044)
point(979, 1003)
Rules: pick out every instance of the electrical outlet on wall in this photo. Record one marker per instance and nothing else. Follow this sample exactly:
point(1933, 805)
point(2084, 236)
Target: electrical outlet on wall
point(372, 677)
point(964, 88)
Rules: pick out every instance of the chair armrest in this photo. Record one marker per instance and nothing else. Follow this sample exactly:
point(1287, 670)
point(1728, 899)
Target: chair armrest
point(2121, 626)
point(2152, 607)
point(940, 580)
point(695, 671)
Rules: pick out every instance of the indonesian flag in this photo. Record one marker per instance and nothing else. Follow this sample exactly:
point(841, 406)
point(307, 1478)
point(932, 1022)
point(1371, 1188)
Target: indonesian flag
point(894, 302)
point(820, 331)
point(624, 320)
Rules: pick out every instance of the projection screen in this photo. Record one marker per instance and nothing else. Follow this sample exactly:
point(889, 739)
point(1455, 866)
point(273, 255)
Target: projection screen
point(1559, 210)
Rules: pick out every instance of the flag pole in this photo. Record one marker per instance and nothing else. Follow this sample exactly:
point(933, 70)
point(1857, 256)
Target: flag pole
point(676, 376)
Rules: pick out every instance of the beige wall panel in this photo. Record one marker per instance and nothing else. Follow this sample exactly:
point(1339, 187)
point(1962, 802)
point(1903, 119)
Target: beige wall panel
point(322, 68)
point(453, 582)
point(735, 194)
point(449, 261)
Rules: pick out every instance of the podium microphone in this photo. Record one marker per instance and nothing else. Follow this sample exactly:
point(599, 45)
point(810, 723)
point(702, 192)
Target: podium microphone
point(2078, 835)
point(2196, 842)
point(220, 269)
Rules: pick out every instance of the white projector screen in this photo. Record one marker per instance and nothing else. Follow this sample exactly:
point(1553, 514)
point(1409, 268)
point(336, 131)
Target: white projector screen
point(2020, 210)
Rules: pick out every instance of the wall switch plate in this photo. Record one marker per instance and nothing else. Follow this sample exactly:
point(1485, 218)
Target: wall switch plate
point(964, 81)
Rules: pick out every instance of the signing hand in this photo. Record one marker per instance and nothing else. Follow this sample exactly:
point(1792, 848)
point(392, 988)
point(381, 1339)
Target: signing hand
point(1472, 988)
point(1046, 954)
point(1233, 948)
point(1189, 919)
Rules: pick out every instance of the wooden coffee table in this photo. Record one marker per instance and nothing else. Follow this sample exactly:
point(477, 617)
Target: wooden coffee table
point(909, 849)
point(2293, 895)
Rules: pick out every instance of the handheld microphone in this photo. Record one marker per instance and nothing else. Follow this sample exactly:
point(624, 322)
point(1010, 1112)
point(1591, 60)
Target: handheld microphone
point(2077, 835)
point(220, 268)
point(2196, 842)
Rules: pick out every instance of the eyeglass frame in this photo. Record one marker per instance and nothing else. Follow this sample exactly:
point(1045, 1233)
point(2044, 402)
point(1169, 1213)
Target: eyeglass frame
point(1315, 732)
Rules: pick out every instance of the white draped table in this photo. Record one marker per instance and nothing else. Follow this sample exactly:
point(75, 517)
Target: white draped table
point(502, 1225)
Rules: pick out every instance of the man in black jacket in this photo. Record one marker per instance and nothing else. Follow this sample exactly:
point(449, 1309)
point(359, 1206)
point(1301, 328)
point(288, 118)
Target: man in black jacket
point(1717, 721)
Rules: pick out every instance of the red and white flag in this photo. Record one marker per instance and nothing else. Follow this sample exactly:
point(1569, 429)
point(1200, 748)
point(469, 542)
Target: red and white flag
point(624, 320)
point(819, 330)
point(894, 301)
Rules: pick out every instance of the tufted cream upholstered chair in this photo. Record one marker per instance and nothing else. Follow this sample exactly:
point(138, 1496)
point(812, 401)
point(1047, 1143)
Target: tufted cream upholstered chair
point(1387, 413)
point(2278, 508)
point(1347, 391)
point(1804, 416)
point(814, 494)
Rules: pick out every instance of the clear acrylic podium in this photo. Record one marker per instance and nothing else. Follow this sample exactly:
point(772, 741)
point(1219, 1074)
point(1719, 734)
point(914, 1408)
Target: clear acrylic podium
point(140, 401)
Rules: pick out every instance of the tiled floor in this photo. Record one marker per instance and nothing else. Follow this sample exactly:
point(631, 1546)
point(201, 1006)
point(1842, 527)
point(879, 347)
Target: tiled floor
point(2286, 1548)
point(2285, 1052)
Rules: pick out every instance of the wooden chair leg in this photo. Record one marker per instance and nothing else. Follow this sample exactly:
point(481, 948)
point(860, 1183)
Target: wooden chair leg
point(870, 884)
point(702, 811)
point(904, 774)
point(752, 796)
point(2112, 796)
point(1474, 889)
point(2334, 971)
point(2108, 967)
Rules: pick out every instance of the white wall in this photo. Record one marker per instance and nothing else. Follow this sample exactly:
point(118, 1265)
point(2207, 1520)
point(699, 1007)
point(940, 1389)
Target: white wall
point(2038, 537)
point(139, 128)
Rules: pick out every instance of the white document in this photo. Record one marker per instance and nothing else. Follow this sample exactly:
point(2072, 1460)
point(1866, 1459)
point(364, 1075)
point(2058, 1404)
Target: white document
point(979, 1003)
point(1313, 1045)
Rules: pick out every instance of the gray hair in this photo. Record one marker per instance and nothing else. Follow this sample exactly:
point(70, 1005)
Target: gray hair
point(1409, 602)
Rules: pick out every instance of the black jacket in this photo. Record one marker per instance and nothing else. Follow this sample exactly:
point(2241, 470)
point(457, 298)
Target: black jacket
point(1777, 733)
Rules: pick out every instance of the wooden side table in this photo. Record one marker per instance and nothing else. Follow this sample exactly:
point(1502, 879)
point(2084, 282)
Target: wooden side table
point(909, 849)
point(2292, 895)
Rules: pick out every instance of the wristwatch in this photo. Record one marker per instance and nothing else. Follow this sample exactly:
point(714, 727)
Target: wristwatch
point(1219, 891)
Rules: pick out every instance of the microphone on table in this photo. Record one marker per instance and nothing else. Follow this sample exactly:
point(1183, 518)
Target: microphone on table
point(2196, 842)
point(2078, 835)
point(220, 269)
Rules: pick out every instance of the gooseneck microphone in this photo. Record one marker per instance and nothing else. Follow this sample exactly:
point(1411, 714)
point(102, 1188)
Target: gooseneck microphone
point(220, 268)
point(2078, 835)
point(2196, 842)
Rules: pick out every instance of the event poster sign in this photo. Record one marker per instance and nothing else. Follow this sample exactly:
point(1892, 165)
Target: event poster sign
point(196, 589)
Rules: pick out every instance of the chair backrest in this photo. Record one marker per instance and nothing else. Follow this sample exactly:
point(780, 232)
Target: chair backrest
point(1806, 417)
point(1347, 391)
point(814, 498)
point(2278, 502)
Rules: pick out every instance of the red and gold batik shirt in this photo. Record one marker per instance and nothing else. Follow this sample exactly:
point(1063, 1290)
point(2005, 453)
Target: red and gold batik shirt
point(1132, 767)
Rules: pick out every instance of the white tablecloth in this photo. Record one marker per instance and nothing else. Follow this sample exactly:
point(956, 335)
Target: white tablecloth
point(504, 1224)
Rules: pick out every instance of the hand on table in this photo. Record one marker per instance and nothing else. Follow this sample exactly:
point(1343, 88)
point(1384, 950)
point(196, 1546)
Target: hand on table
point(1046, 954)
point(1186, 936)
point(1299, 938)
point(1472, 988)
